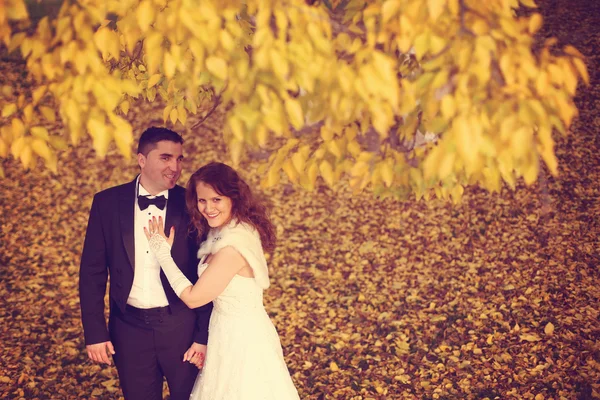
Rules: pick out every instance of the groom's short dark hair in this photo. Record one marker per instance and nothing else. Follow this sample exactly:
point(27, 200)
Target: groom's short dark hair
point(151, 136)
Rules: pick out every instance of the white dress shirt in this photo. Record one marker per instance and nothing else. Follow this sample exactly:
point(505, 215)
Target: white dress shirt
point(147, 290)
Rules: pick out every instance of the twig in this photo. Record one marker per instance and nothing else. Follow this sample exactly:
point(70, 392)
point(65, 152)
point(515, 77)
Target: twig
point(463, 27)
point(209, 113)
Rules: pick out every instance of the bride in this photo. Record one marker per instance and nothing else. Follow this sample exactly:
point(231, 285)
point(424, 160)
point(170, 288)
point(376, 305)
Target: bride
point(244, 359)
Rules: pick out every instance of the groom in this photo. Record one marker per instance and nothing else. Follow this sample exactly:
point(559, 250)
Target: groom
point(150, 330)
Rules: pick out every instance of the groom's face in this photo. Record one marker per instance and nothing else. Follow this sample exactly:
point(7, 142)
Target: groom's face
point(161, 168)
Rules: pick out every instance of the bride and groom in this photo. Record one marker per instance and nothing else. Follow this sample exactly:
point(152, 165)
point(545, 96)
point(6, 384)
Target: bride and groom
point(187, 273)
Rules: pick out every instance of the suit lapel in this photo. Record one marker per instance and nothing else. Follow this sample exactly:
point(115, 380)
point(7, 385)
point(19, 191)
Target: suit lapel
point(126, 216)
point(175, 207)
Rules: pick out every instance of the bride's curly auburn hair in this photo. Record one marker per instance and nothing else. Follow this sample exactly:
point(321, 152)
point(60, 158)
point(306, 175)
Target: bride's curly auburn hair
point(245, 207)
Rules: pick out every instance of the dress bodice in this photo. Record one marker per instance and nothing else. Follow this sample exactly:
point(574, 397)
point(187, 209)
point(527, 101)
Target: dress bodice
point(242, 296)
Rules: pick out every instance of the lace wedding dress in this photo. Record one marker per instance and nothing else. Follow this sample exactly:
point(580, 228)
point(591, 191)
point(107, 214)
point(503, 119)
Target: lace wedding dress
point(244, 359)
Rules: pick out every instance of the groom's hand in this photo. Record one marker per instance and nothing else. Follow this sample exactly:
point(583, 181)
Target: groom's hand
point(98, 352)
point(196, 354)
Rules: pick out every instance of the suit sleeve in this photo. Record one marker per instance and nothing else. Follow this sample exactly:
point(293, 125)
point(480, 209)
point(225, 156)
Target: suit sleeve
point(93, 277)
point(202, 313)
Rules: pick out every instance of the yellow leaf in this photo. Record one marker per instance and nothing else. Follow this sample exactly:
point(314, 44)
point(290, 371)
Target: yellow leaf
point(107, 41)
point(294, 112)
point(531, 172)
point(9, 110)
point(227, 40)
point(18, 128)
point(40, 132)
point(17, 146)
point(389, 9)
point(235, 149)
point(217, 66)
point(521, 141)
point(581, 69)
point(27, 114)
point(566, 110)
point(535, 22)
point(38, 93)
point(123, 134)
point(3, 148)
point(437, 44)
point(570, 78)
point(313, 170)
point(40, 147)
point(326, 133)
point(81, 62)
point(26, 156)
point(542, 82)
point(326, 172)
point(333, 366)
point(510, 27)
point(480, 27)
point(549, 329)
point(173, 116)
point(421, 45)
point(262, 135)
point(169, 65)
point(182, 114)
point(298, 160)
point(290, 171)
point(446, 166)
point(280, 64)
point(387, 173)
point(151, 94)
point(125, 107)
point(145, 14)
point(528, 3)
point(166, 113)
point(359, 169)
point(153, 80)
point(334, 148)
point(550, 159)
point(237, 128)
point(16, 10)
point(436, 7)
point(530, 337)
point(48, 113)
point(197, 50)
point(100, 134)
point(376, 176)
point(573, 51)
point(441, 78)
point(448, 106)
point(154, 51)
point(354, 148)
point(456, 193)
point(58, 143)
point(273, 176)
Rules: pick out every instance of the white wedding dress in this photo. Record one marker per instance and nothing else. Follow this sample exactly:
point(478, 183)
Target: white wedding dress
point(244, 359)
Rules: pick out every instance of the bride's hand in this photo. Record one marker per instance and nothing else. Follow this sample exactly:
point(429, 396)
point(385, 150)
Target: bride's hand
point(158, 227)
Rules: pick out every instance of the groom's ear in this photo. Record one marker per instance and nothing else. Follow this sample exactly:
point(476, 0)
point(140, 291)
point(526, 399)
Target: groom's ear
point(141, 159)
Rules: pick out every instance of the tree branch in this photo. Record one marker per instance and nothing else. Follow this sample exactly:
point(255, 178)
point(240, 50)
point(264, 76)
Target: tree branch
point(216, 103)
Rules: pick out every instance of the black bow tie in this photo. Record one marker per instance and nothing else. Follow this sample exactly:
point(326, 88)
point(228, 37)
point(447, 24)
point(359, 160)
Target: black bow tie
point(144, 202)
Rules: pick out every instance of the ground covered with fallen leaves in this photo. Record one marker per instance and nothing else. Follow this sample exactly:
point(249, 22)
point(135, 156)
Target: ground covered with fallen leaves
point(496, 298)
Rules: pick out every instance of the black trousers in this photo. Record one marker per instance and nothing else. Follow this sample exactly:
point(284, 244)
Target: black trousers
point(149, 345)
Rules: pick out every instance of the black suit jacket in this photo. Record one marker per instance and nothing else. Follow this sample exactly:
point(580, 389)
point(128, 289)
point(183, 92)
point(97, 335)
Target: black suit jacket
point(108, 249)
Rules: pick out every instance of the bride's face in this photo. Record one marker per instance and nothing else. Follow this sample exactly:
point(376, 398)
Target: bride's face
point(214, 207)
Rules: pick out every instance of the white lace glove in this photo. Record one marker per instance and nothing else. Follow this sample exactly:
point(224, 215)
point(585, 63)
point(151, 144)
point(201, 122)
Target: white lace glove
point(162, 251)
